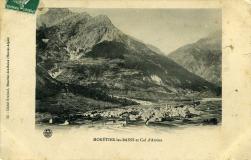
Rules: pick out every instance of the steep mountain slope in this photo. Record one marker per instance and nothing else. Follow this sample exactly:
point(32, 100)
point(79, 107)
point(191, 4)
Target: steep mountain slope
point(84, 50)
point(202, 58)
point(53, 16)
point(155, 49)
point(45, 84)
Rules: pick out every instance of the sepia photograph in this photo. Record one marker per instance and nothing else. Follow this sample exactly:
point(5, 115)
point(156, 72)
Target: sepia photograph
point(134, 80)
point(123, 68)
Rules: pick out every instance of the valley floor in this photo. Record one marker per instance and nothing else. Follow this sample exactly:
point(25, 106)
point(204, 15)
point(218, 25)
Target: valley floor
point(98, 113)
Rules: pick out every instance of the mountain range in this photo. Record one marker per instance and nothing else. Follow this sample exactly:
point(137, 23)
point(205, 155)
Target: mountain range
point(202, 58)
point(76, 49)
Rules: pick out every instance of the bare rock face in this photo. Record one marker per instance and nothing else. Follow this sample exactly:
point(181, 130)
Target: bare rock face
point(202, 58)
point(53, 16)
point(92, 51)
point(88, 71)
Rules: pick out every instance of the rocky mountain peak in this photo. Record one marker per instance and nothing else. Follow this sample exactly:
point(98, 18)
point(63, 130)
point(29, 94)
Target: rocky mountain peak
point(58, 11)
point(202, 58)
point(53, 16)
point(102, 18)
point(213, 40)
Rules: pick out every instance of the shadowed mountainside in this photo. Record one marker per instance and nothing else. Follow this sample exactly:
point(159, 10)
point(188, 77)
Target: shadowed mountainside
point(89, 71)
point(81, 50)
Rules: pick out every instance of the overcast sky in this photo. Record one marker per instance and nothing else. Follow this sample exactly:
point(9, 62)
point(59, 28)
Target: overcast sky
point(166, 29)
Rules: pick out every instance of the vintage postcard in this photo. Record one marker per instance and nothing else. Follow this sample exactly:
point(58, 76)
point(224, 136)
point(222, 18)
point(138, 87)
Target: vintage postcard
point(125, 80)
